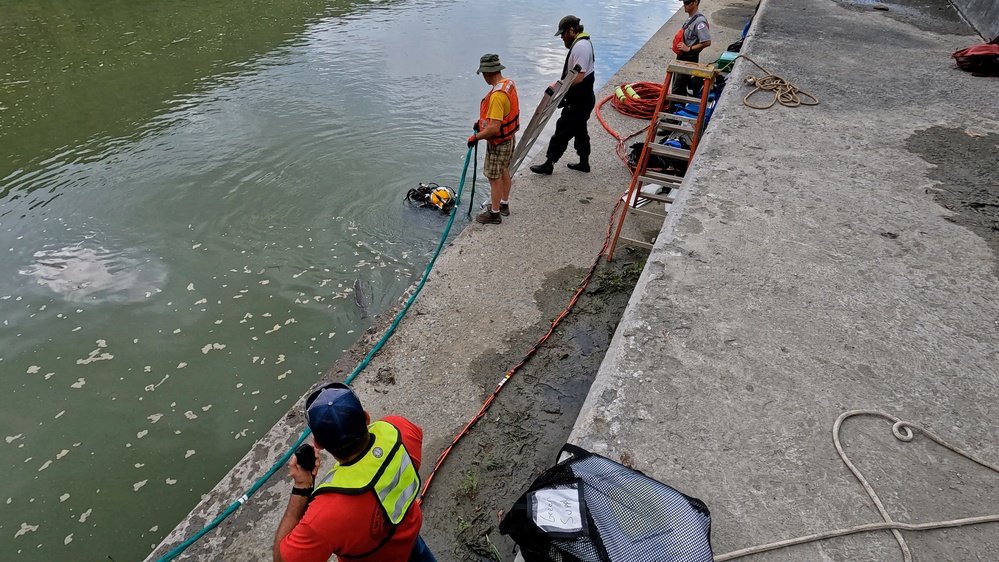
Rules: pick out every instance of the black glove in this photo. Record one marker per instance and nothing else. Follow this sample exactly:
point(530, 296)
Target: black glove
point(475, 126)
point(471, 141)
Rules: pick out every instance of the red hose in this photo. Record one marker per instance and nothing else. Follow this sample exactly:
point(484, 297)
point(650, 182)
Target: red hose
point(642, 108)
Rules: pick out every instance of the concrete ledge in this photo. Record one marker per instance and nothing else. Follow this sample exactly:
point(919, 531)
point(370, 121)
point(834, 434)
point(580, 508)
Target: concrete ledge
point(807, 270)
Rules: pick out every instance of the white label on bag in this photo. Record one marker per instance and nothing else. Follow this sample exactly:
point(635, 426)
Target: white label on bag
point(557, 510)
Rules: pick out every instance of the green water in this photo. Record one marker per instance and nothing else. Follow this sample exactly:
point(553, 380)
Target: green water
point(189, 192)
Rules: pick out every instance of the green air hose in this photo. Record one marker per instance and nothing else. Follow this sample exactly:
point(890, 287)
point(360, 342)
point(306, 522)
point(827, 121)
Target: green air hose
point(357, 370)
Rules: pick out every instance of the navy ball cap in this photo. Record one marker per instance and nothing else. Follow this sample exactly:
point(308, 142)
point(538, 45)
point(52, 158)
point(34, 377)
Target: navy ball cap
point(336, 418)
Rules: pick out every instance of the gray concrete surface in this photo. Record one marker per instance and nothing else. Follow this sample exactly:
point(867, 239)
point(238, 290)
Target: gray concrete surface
point(806, 270)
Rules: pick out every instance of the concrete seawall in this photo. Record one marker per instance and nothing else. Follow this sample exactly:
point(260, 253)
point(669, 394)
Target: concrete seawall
point(820, 260)
point(983, 15)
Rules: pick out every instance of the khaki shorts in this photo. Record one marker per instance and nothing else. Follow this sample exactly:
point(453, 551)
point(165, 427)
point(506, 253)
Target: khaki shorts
point(498, 158)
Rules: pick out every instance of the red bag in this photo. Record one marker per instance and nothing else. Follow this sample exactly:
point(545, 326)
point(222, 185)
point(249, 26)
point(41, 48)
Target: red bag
point(677, 39)
point(979, 60)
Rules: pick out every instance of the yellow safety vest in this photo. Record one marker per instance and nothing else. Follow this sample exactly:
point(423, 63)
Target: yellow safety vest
point(385, 469)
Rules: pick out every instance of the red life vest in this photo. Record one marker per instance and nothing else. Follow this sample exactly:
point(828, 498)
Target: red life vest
point(511, 122)
point(678, 38)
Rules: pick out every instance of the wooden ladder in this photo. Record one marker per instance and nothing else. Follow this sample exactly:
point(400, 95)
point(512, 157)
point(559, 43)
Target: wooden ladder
point(670, 124)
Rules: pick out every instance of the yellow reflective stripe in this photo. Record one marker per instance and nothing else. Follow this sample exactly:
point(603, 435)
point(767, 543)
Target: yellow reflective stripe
point(395, 497)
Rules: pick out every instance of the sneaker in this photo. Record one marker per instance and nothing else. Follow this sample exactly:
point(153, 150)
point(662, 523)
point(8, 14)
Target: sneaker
point(505, 209)
point(488, 217)
point(581, 167)
point(547, 168)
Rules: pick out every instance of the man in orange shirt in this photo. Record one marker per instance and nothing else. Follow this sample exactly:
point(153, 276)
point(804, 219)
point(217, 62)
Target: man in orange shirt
point(499, 119)
point(365, 507)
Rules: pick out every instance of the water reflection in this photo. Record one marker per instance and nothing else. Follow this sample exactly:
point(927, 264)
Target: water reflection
point(92, 273)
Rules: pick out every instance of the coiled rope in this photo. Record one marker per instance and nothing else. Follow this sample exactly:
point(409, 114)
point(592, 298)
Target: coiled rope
point(785, 93)
point(357, 370)
point(903, 431)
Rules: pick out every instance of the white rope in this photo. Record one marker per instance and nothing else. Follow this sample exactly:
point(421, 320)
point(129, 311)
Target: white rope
point(905, 432)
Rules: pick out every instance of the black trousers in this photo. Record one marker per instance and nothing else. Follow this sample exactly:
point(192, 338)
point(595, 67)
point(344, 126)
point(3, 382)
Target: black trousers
point(571, 124)
point(683, 84)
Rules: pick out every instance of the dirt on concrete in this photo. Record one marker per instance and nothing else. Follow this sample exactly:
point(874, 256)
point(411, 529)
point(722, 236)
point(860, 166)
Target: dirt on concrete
point(530, 419)
point(967, 169)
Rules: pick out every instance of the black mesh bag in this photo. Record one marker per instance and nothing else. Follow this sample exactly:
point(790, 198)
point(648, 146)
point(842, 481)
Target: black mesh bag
point(589, 508)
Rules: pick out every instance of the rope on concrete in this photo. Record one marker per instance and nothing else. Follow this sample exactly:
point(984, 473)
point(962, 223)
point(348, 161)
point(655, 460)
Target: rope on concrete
point(785, 93)
point(905, 432)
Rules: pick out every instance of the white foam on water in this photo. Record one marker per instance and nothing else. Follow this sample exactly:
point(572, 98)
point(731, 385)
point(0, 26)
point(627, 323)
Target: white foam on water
point(25, 529)
point(138, 485)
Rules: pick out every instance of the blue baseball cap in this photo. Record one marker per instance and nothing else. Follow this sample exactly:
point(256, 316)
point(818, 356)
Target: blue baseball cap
point(336, 418)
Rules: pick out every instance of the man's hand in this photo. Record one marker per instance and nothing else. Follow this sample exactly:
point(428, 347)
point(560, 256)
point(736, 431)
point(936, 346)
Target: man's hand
point(297, 504)
point(303, 478)
point(471, 141)
point(475, 126)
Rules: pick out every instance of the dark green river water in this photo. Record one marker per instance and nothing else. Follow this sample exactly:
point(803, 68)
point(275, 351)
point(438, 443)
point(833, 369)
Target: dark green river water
point(189, 193)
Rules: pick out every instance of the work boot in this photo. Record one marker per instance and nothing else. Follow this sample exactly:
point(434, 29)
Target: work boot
point(488, 217)
point(583, 166)
point(505, 209)
point(547, 168)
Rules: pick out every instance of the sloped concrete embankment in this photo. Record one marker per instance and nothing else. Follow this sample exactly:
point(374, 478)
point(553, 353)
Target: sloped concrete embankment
point(819, 260)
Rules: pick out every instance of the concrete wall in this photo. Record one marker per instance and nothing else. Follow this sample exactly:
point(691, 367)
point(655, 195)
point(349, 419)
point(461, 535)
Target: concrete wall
point(982, 14)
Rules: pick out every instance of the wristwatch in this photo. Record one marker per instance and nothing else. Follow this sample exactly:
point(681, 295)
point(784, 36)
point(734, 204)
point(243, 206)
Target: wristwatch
point(301, 491)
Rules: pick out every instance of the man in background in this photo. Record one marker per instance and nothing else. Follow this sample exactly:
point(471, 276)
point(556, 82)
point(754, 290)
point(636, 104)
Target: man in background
point(578, 102)
point(696, 38)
